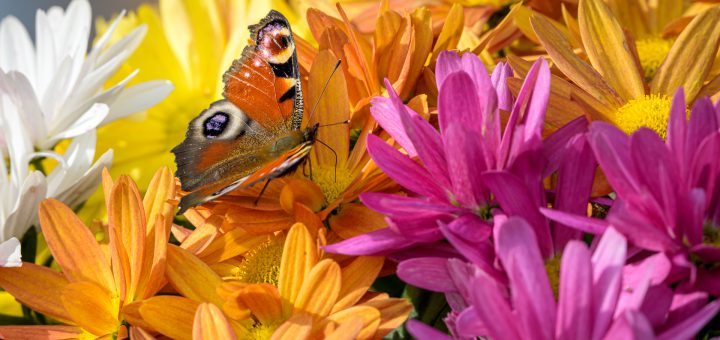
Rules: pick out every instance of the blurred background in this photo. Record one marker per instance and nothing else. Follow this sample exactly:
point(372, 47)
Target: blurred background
point(25, 9)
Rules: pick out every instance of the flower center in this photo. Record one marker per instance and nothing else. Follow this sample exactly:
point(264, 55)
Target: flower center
point(552, 267)
point(262, 332)
point(652, 53)
point(711, 234)
point(262, 263)
point(332, 183)
point(650, 111)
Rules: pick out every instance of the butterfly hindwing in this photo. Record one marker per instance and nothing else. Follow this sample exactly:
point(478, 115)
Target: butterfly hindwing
point(265, 81)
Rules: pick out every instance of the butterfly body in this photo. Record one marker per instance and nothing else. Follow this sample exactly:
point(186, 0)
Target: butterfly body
point(255, 133)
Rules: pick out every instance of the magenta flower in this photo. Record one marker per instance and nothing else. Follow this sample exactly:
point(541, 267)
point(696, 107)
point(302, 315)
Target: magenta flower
point(593, 299)
point(471, 165)
point(668, 192)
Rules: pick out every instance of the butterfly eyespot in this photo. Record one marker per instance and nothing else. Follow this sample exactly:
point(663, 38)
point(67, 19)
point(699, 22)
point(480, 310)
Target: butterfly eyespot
point(215, 125)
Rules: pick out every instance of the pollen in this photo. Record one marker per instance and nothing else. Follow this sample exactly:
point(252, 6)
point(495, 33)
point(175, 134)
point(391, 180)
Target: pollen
point(262, 332)
point(262, 263)
point(650, 111)
point(332, 182)
point(652, 53)
point(552, 267)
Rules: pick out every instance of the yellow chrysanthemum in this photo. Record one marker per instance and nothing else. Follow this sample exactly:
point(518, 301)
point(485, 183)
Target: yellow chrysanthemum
point(314, 297)
point(630, 85)
point(191, 43)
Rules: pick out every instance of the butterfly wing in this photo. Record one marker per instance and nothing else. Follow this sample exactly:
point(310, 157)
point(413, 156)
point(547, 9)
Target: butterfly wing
point(265, 81)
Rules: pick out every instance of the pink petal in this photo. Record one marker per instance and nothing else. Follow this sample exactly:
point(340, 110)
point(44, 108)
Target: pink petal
point(612, 151)
point(499, 77)
point(693, 324)
point(630, 325)
point(448, 62)
point(429, 147)
point(458, 102)
point(421, 331)
point(481, 254)
point(493, 310)
point(585, 224)
point(468, 324)
point(677, 127)
point(474, 67)
point(656, 304)
point(703, 122)
point(574, 318)
point(554, 145)
point(465, 160)
point(429, 273)
point(608, 260)
point(402, 169)
point(384, 112)
point(531, 293)
point(378, 242)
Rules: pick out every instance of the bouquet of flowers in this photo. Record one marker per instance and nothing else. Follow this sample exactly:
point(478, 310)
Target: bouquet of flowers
point(390, 169)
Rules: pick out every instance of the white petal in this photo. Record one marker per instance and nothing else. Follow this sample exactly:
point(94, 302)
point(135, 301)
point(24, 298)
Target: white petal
point(54, 97)
point(94, 81)
point(100, 43)
point(139, 98)
point(107, 97)
point(79, 191)
point(19, 144)
point(10, 253)
point(46, 54)
point(24, 212)
point(17, 52)
point(88, 121)
point(22, 93)
point(128, 43)
point(77, 159)
point(75, 31)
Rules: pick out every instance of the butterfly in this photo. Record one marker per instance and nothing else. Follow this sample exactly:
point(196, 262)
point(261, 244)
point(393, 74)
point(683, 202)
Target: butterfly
point(254, 134)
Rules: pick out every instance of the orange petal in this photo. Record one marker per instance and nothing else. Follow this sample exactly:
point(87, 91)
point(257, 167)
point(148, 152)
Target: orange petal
point(369, 316)
point(691, 57)
point(191, 277)
point(126, 225)
point(333, 107)
point(347, 330)
point(40, 332)
point(393, 313)
point(297, 327)
point(234, 307)
point(73, 245)
point(631, 16)
point(211, 324)
point(203, 235)
point(422, 41)
point(309, 218)
point(301, 191)
point(573, 67)
point(264, 302)
point(300, 254)
point(320, 289)
point(107, 186)
point(156, 201)
point(36, 287)
point(91, 307)
point(170, 315)
point(355, 219)
point(140, 334)
point(233, 243)
point(607, 49)
point(356, 278)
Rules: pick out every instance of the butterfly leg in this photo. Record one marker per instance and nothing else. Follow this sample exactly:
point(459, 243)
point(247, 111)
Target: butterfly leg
point(262, 191)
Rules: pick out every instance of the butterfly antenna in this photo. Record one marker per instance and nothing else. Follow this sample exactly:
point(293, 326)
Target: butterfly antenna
point(327, 82)
point(334, 154)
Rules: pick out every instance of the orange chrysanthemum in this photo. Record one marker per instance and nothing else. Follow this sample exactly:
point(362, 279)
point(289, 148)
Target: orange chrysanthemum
point(314, 296)
point(97, 280)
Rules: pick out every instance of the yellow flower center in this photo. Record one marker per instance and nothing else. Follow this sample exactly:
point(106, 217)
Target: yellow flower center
point(650, 111)
point(262, 264)
point(652, 53)
point(332, 183)
point(552, 267)
point(262, 332)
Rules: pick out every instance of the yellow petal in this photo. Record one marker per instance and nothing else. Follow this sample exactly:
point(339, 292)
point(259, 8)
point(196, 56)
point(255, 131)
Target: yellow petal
point(297, 327)
point(320, 289)
point(36, 287)
point(573, 67)
point(357, 277)
point(332, 108)
point(608, 49)
point(211, 324)
point(664, 12)
point(451, 31)
point(393, 313)
point(264, 302)
point(170, 315)
point(300, 254)
point(73, 245)
point(40, 332)
point(92, 307)
point(691, 57)
point(126, 225)
point(631, 15)
point(191, 277)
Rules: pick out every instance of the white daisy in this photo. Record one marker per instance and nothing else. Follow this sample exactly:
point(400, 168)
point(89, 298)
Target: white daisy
point(57, 84)
point(53, 91)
